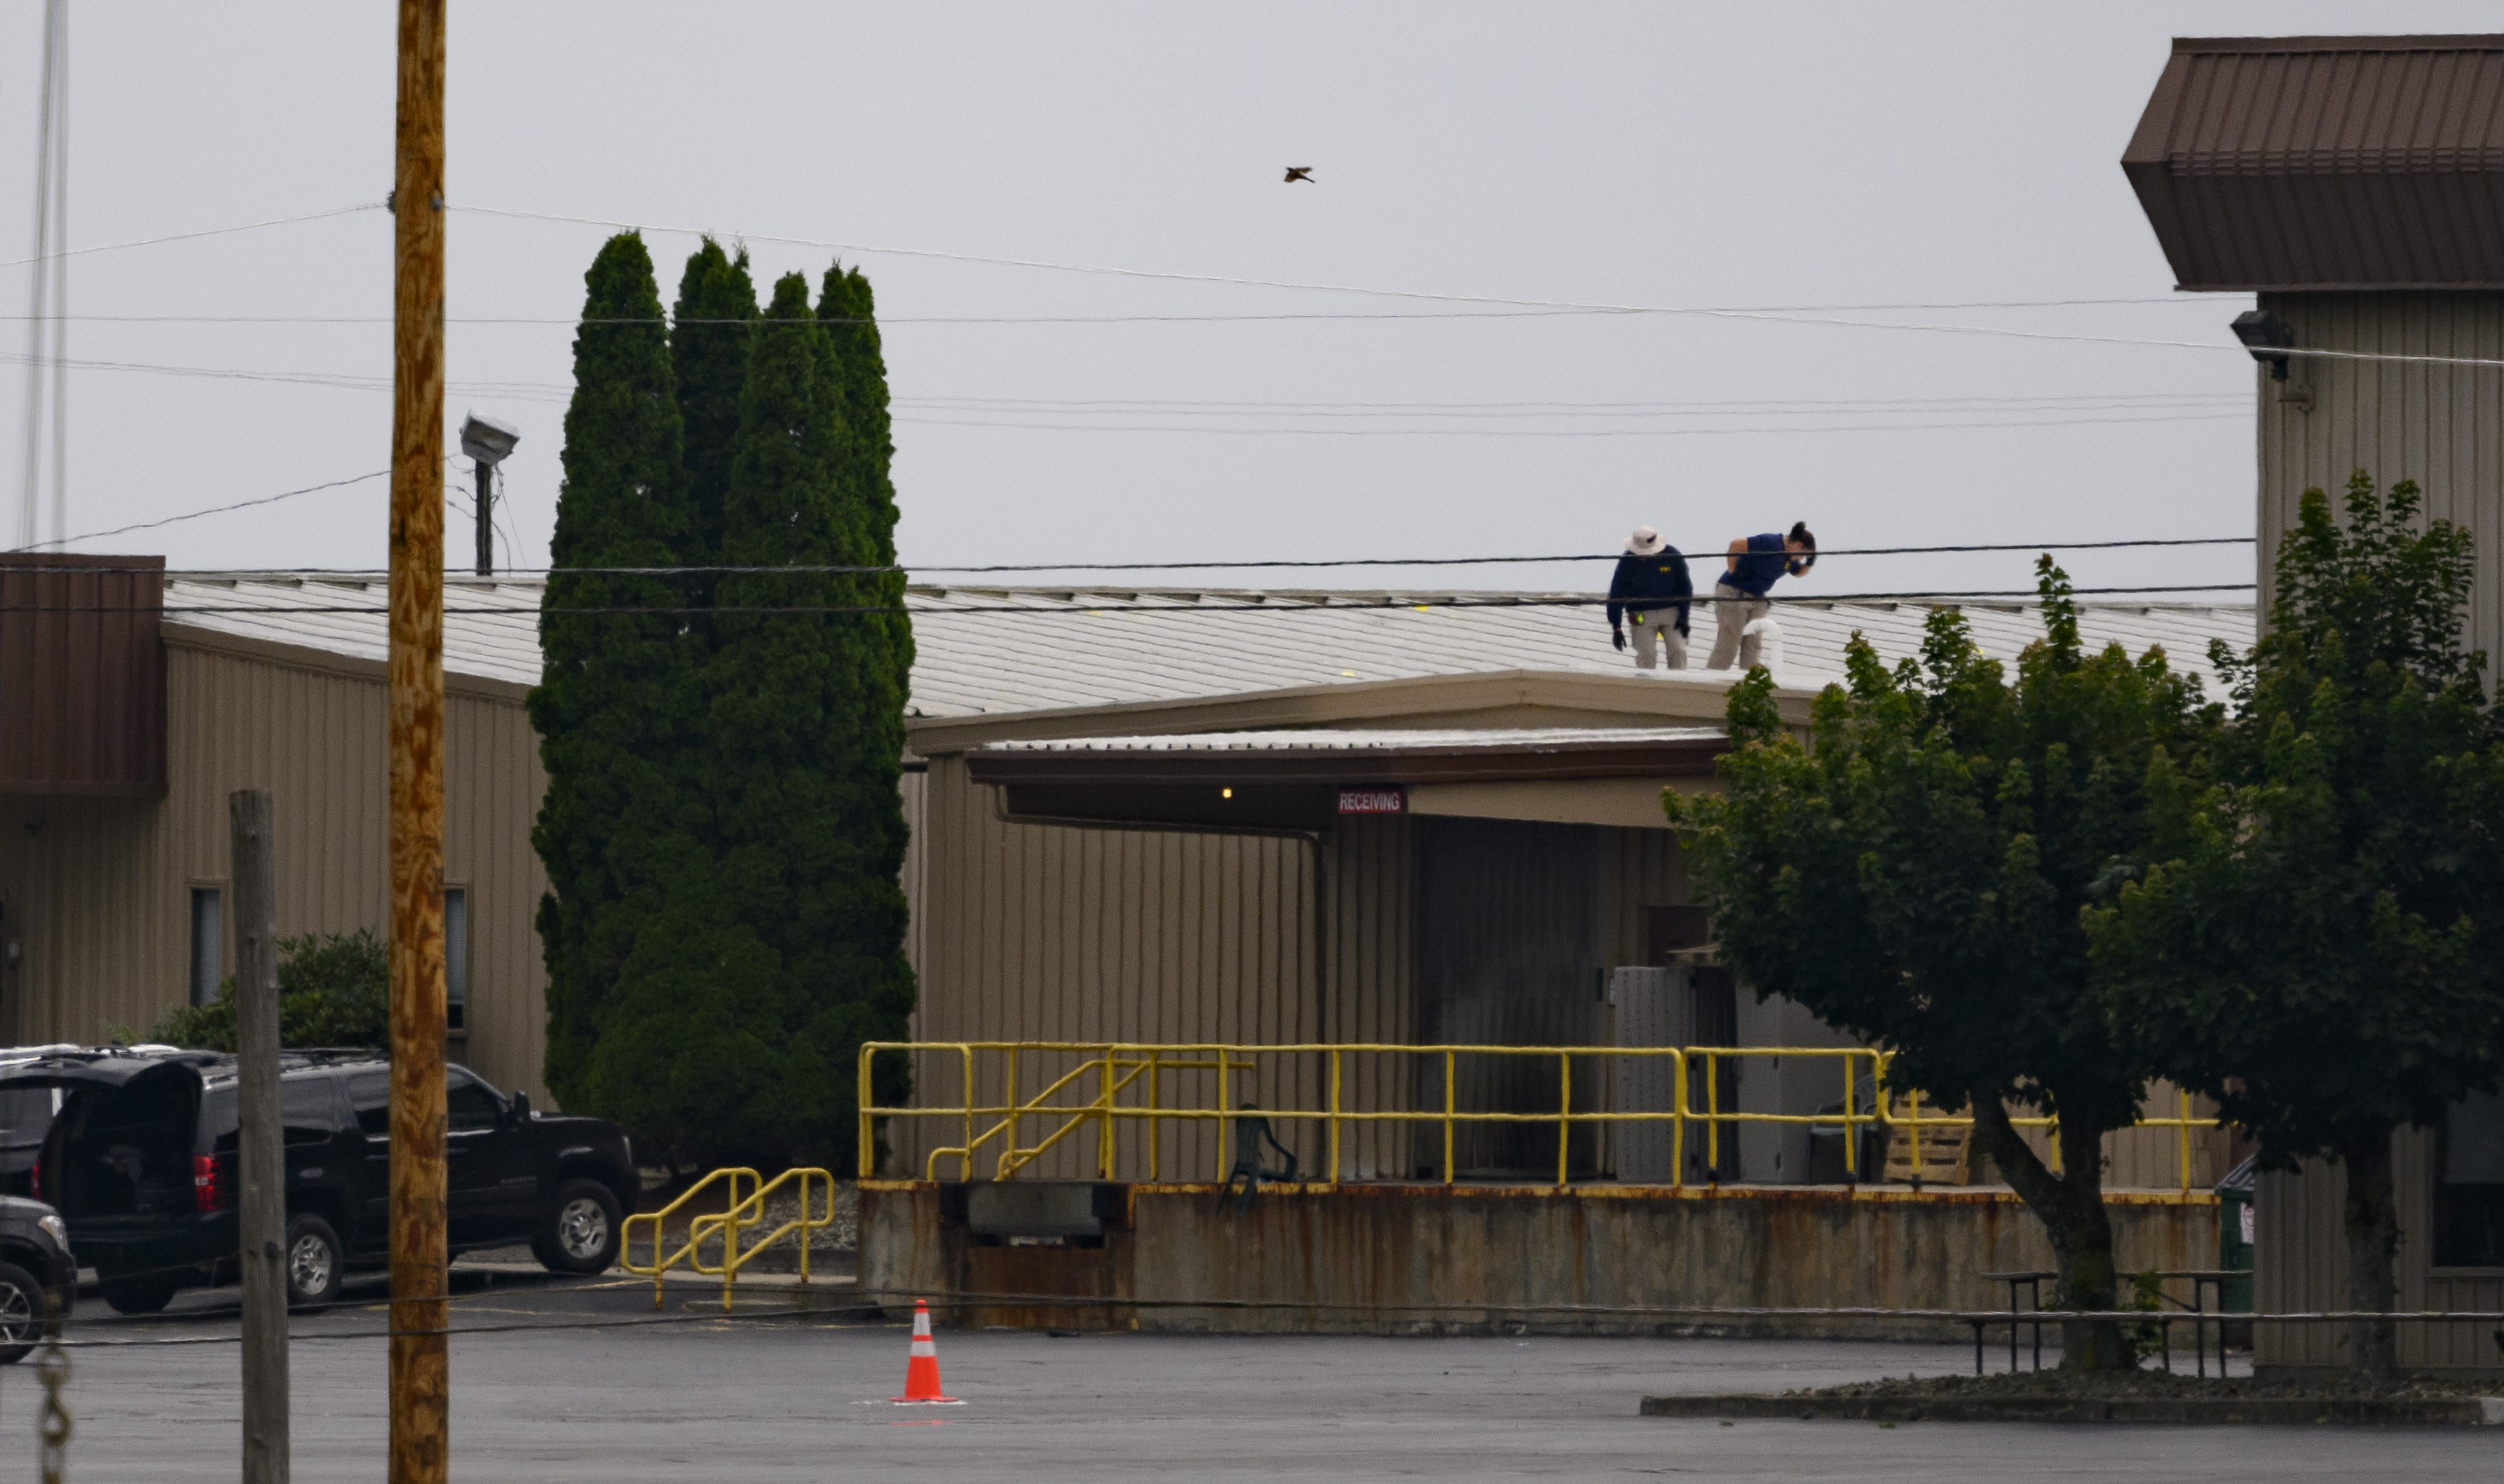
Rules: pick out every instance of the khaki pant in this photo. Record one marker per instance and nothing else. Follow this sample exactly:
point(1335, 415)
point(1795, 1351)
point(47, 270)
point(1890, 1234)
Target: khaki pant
point(1730, 617)
point(1660, 628)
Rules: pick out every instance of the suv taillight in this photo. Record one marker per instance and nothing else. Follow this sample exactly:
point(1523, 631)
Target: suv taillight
point(209, 1190)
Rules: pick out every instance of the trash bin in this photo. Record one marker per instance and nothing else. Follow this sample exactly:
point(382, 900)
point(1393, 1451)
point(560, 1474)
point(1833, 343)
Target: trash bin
point(2234, 1243)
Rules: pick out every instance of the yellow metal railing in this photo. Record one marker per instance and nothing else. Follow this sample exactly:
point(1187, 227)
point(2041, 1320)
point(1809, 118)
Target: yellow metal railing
point(1119, 1067)
point(739, 1215)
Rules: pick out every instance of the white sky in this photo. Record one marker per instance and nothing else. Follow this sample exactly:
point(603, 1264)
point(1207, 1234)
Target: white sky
point(1640, 155)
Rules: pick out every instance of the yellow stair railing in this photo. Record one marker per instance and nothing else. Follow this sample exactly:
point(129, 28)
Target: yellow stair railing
point(739, 1215)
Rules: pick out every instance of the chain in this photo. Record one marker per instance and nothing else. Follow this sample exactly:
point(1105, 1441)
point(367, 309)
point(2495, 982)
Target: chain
point(53, 1367)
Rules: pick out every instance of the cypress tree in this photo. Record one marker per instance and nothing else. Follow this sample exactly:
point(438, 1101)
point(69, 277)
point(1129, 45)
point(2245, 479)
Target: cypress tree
point(709, 338)
point(619, 704)
point(738, 1014)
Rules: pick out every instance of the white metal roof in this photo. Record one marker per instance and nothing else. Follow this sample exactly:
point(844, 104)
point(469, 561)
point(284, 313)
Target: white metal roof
point(1062, 647)
point(1324, 741)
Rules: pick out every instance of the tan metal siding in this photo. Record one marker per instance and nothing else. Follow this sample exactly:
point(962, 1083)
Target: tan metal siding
point(106, 883)
point(1043, 932)
point(2441, 426)
point(2300, 1262)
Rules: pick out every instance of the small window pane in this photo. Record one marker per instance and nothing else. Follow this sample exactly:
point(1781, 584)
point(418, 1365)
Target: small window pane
point(206, 943)
point(471, 1105)
point(2469, 1195)
point(369, 1098)
point(456, 953)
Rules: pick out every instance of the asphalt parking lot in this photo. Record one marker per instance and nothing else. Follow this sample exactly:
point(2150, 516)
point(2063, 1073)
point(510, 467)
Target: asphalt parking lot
point(802, 1397)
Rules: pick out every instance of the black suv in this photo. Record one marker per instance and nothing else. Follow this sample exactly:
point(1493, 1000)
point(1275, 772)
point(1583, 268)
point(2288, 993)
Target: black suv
point(140, 1160)
point(36, 1271)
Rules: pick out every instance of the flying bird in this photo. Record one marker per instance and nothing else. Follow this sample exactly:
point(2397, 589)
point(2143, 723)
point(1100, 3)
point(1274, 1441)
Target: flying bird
point(1303, 173)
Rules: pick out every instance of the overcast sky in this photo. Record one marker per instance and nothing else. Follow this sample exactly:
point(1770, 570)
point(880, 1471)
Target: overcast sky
point(1814, 158)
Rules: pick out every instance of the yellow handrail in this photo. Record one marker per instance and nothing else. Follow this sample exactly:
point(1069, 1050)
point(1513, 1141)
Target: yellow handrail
point(660, 1264)
point(1118, 1066)
point(751, 1213)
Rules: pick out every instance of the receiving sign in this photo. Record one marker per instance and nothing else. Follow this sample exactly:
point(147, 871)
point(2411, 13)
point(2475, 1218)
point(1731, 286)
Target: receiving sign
point(1388, 800)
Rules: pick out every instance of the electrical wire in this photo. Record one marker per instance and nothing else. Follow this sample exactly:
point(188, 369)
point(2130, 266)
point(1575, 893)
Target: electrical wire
point(214, 231)
point(1275, 604)
point(241, 504)
point(803, 570)
point(1551, 433)
point(1767, 316)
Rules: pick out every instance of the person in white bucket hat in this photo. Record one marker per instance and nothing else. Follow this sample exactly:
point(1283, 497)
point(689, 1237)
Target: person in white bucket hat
point(1651, 588)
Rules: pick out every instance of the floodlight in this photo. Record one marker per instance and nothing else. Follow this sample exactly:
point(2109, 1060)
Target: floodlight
point(2267, 337)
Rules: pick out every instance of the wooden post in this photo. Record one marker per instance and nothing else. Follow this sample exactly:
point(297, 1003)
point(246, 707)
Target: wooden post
point(420, 1386)
point(260, 1155)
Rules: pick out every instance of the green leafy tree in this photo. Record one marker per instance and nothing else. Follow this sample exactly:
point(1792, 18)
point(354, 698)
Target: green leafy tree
point(620, 708)
point(710, 332)
point(740, 1010)
point(333, 989)
point(1915, 876)
point(2319, 948)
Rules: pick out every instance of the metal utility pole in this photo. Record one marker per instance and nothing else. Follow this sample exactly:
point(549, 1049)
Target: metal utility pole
point(420, 1383)
point(260, 1155)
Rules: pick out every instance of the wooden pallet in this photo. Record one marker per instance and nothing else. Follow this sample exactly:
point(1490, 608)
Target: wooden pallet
point(1947, 1154)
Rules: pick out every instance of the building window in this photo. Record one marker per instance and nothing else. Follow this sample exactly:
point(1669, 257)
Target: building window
point(456, 954)
point(207, 944)
point(2469, 1184)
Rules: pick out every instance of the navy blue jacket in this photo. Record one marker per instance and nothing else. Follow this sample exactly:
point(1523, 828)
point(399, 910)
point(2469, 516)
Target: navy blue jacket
point(1650, 585)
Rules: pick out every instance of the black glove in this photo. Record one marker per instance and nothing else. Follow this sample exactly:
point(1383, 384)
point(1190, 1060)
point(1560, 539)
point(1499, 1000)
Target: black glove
point(1618, 637)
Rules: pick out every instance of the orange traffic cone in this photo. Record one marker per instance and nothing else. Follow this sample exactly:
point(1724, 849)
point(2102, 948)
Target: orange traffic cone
point(922, 1370)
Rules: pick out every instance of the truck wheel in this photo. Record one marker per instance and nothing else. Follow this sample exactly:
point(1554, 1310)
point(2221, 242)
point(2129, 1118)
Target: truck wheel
point(580, 1234)
point(22, 1313)
point(316, 1264)
point(142, 1294)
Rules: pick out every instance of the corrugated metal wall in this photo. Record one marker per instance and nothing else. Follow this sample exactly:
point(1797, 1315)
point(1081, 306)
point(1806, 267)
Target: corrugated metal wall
point(1045, 933)
point(2300, 1263)
point(1042, 932)
point(105, 883)
point(2441, 426)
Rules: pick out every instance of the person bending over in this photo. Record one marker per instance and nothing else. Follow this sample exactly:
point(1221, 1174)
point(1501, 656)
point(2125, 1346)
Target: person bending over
point(1653, 589)
point(1755, 564)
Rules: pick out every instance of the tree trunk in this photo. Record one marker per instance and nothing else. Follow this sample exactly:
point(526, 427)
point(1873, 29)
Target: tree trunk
point(2373, 1247)
point(2070, 1205)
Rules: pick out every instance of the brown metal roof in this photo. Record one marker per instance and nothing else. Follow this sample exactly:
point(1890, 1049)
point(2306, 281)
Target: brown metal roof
point(82, 674)
point(2326, 162)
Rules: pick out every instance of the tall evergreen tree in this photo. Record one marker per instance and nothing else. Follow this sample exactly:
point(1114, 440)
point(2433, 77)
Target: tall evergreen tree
point(709, 338)
point(619, 699)
point(740, 1013)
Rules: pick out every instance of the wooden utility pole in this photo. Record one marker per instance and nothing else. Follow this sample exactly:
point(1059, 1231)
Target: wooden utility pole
point(420, 1385)
point(261, 1154)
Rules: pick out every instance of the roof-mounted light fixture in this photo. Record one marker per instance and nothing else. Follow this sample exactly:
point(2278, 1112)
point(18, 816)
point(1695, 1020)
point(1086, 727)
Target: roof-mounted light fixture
point(2267, 337)
point(487, 440)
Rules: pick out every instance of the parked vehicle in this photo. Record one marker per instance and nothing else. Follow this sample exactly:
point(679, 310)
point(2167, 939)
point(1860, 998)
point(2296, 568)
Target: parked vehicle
point(36, 1273)
point(140, 1160)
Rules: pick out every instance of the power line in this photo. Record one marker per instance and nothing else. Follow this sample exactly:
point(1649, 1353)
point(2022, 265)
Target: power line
point(1136, 319)
point(241, 504)
point(214, 231)
point(1545, 432)
point(1411, 602)
point(1781, 317)
point(1701, 555)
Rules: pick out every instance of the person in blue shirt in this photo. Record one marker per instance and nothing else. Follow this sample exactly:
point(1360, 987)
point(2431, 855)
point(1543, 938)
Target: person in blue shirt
point(1651, 588)
point(1755, 564)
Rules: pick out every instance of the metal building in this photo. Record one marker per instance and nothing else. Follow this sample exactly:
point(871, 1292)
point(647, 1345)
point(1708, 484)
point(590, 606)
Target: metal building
point(2356, 186)
point(1139, 827)
point(129, 712)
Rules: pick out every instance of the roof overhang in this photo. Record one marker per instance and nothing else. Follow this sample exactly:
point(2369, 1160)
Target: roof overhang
point(1303, 782)
point(2326, 163)
point(1495, 699)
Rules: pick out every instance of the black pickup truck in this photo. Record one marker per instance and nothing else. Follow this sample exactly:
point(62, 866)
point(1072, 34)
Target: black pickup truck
point(140, 1161)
